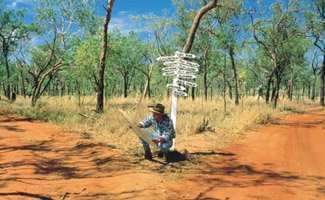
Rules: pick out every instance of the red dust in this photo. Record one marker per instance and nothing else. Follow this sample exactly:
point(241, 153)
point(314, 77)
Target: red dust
point(279, 161)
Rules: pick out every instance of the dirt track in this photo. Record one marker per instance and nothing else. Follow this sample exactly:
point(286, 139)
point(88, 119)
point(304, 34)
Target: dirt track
point(283, 161)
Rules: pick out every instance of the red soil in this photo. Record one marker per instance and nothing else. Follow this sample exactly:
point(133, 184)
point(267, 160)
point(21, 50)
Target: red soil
point(280, 161)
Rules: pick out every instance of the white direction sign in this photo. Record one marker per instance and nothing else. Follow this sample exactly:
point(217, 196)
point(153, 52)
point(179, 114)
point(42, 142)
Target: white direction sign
point(182, 71)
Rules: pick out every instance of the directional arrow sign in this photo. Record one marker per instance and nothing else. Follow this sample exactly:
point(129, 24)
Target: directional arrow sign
point(185, 72)
point(187, 76)
point(176, 87)
point(184, 55)
point(180, 93)
point(186, 83)
point(167, 58)
point(169, 73)
point(180, 69)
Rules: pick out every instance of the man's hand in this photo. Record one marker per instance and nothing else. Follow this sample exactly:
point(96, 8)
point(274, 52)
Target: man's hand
point(137, 125)
point(161, 139)
point(156, 141)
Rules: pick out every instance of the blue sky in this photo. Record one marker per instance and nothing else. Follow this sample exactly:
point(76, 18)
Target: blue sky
point(121, 11)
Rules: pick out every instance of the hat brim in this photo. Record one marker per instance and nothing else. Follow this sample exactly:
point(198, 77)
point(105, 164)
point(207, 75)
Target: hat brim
point(152, 110)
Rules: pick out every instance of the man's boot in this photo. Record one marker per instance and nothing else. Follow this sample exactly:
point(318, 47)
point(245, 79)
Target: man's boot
point(160, 154)
point(169, 156)
point(148, 155)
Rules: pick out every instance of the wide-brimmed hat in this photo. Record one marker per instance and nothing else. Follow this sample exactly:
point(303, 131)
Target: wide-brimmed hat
point(158, 108)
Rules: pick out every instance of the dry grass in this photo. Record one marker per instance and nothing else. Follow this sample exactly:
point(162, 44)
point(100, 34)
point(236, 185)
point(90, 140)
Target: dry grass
point(112, 129)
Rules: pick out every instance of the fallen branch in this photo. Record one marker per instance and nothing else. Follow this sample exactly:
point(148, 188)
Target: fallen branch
point(75, 193)
point(86, 116)
point(65, 195)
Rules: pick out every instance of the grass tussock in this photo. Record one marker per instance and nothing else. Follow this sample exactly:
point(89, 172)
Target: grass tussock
point(111, 128)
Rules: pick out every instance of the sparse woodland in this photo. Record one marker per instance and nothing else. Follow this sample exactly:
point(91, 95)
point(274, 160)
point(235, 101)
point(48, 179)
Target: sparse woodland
point(69, 65)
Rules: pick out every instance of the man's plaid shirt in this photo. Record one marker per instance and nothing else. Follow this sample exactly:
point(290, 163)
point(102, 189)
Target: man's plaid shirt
point(164, 129)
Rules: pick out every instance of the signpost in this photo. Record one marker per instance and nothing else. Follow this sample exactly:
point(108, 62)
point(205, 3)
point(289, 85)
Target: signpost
point(183, 72)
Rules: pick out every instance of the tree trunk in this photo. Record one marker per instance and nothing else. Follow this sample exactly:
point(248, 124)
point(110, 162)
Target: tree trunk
point(195, 24)
point(62, 86)
point(292, 83)
point(38, 82)
point(211, 93)
point(146, 92)
point(125, 81)
point(23, 89)
point(268, 88)
point(193, 93)
point(313, 91)
point(8, 90)
point(289, 90)
point(322, 83)
point(277, 87)
point(224, 89)
point(78, 92)
point(102, 60)
point(205, 84)
point(231, 55)
point(229, 90)
point(267, 92)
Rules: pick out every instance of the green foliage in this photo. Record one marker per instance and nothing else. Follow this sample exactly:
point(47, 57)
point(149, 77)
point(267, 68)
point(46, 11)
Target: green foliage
point(130, 57)
point(61, 15)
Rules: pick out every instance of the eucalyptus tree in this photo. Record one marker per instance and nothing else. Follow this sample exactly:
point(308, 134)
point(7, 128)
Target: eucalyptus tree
point(229, 19)
point(68, 18)
point(196, 22)
point(126, 56)
point(12, 32)
point(86, 60)
point(146, 68)
point(20, 63)
point(46, 60)
point(204, 44)
point(273, 34)
point(60, 19)
point(315, 69)
point(189, 21)
point(160, 41)
point(85, 65)
point(315, 17)
point(296, 64)
point(260, 72)
point(102, 58)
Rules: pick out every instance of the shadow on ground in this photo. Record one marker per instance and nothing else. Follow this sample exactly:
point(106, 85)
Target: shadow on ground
point(25, 195)
point(226, 171)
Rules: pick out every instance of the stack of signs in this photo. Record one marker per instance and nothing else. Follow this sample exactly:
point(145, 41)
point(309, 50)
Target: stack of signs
point(183, 71)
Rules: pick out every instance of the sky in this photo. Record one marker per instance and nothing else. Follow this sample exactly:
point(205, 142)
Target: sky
point(121, 11)
point(120, 15)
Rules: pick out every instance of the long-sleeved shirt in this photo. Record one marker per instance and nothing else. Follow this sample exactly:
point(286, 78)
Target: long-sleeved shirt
point(164, 129)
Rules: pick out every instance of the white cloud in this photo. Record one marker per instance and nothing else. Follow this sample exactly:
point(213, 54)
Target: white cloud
point(16, 2)
point(124, 23)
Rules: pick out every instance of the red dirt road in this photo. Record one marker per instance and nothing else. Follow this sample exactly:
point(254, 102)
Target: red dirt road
point(282, 161)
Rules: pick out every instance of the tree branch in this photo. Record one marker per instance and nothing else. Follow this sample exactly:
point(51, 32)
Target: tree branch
point(195, 24)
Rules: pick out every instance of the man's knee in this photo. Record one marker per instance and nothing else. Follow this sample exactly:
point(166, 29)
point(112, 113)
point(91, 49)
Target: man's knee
point(164, 147)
